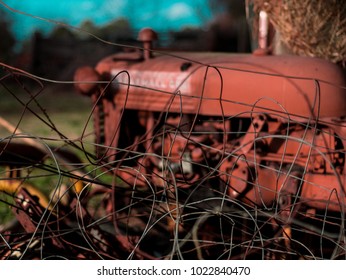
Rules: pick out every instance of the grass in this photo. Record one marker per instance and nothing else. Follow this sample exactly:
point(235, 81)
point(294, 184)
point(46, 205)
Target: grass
point(63, 108)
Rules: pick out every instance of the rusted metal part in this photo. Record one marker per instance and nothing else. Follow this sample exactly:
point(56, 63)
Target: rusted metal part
point(19, 154)
point(31, 216)
point(90, 79)
point(295, 83)
point(147, 36)
point(60, 235)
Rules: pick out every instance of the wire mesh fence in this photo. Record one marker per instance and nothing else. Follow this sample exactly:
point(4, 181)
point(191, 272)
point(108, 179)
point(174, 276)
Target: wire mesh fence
point(176, 156)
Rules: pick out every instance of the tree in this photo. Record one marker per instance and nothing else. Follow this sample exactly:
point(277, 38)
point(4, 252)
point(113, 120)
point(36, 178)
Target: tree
point(89, 27)
point(7, 39)
point(116, 29)
point(229, 32)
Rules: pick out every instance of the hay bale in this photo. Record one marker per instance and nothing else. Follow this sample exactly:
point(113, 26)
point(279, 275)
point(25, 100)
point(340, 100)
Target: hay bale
point(314, 28)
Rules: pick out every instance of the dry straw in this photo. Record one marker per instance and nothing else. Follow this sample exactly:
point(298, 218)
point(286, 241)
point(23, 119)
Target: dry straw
point(314, 28)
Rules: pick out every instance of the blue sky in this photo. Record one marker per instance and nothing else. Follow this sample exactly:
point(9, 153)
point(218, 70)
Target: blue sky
point(161, 15)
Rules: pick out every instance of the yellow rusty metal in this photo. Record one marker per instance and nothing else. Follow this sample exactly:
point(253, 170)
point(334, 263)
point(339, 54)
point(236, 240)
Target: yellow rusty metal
point(12, 186)
point(78, 186)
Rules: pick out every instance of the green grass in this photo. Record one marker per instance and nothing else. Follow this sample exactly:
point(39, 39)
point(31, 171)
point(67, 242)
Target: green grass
point(63, 108)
